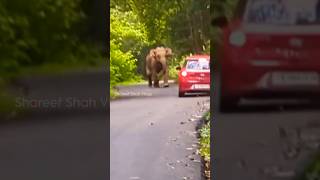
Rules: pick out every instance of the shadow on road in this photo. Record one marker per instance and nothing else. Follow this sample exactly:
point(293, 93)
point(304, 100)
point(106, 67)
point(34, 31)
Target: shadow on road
point(273, 107)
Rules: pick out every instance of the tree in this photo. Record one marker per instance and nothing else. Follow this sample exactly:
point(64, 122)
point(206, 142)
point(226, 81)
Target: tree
point(190, 27)
point(37, 31)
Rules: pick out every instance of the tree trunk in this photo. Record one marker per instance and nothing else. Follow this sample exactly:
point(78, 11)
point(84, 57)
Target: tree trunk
point(196, 35)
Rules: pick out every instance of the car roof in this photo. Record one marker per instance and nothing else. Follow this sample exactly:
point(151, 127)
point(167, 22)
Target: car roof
point(198, 56)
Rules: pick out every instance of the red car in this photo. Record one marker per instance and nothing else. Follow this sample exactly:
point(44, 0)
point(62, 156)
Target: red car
point(271, 48)
point(195, 76)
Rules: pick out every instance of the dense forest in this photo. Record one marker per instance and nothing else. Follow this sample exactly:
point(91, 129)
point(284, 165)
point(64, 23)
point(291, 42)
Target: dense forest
point(136, 26)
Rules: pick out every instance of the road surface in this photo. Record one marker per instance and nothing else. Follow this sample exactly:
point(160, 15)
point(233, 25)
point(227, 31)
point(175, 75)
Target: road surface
point(62, 142)
point(265, 141)
point(65, 134)
point(152, 137)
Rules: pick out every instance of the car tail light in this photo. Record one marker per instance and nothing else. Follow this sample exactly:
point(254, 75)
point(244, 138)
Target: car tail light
point(184, 73)
point(237, 38)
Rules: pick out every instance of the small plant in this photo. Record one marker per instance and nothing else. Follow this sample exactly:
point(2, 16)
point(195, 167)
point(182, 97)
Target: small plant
point(205, 144)
point(313, 171)
point(113, 93)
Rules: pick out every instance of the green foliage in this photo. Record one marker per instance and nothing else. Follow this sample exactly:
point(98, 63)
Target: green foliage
point(37, 32)
point(223, 8)
point(174, 63)
point(173, 73)
point(190, 26)
point(7, 103)
point(205, 142)
point(139, 25)
point(154, 14)
point(113, 93)
point(126, 30)
point(207, 116)
point(181, 25)
point(122, 65)
point(313, 171)
point(128, 37)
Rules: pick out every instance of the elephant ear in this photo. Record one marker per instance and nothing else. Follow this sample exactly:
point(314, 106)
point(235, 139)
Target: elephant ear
point(169, 52)
point(153, 53)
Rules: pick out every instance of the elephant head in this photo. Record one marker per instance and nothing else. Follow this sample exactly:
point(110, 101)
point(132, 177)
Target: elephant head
point(162, 54)
point(169, 53)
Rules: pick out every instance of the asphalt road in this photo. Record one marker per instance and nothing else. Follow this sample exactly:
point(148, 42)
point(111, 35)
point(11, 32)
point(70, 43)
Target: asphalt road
point(63, 141)
point(152, 137)
point(265, 140)
point(64, 135)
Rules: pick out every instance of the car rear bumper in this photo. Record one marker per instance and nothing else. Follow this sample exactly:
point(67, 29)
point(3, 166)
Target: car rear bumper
point(260, 87)
point(187, 86)
point(276, 94)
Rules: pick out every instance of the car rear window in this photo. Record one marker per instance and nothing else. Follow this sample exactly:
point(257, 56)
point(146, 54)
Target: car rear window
point(283, 12)
point(198, 64)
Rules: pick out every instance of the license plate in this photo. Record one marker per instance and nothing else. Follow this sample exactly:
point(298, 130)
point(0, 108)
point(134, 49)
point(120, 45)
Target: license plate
point(295, 78)
point(201, 86)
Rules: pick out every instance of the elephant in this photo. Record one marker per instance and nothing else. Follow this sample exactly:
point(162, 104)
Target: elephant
point(156, 64)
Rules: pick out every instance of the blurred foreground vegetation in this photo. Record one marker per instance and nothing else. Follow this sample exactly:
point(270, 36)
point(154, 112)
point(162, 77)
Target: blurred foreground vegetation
point(312, 172)
point(45, 37)
point(205, 144)
point(38, 32)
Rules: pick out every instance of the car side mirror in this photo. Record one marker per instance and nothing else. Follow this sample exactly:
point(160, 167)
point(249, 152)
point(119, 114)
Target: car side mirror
point(220, 21)
point(178, 68)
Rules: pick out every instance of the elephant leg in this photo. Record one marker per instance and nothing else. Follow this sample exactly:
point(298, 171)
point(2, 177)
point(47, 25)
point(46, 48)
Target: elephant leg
point(165, 77)
point(150, 80)
point(149, 75)
point(155, 80)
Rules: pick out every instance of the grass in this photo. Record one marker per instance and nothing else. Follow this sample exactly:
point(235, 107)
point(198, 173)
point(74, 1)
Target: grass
point(53, 68)
point(56, 69)
point(313, 171)
point(135, 81)
point(173, 73)
point(7, 102)
point(114, 93)
point(205, 144)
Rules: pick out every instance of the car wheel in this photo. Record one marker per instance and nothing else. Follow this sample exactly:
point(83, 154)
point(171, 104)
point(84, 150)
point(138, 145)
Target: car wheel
point(181, 94)
point(216, 89)
point(228, 104)
point(222, 102)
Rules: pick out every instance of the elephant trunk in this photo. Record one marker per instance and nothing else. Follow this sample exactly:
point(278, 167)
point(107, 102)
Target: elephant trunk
point(165, 72)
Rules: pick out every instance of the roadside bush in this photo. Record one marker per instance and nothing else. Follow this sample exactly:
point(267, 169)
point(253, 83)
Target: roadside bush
point(7, 102)
point(38, 31)
point(312, 172)
point(127, 31)
point(173, 73)
point(174, 63)
point(122, 65)
point(205, 141)
point(205, 144)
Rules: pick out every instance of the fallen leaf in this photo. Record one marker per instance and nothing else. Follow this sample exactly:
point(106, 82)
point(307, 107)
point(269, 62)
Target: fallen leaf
point(186, 178)
point(192, 119)
point(135, 178)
